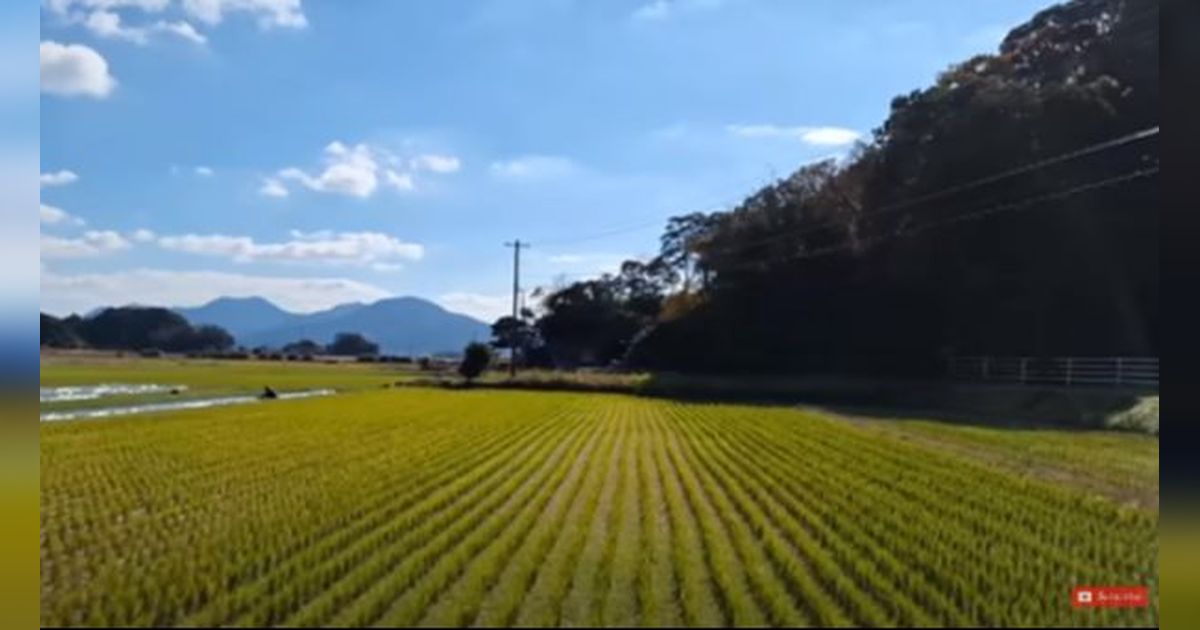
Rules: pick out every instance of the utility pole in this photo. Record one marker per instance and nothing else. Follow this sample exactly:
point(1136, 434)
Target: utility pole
point(516, 313)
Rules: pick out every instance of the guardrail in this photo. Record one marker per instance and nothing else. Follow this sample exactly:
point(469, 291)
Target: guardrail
point(1068, 371)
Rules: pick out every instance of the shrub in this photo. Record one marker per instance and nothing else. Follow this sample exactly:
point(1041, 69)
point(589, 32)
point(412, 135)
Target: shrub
point(476, 358)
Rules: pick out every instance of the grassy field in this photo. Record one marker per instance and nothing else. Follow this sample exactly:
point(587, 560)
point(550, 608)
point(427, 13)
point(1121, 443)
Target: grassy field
point(206, 378)
point(217, 375)
point(422, 506)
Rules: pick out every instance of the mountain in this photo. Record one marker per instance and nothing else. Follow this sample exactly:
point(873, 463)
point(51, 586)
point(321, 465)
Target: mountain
point(335, 312)
point(403, 325)
point(242, 317)
point(100, 309)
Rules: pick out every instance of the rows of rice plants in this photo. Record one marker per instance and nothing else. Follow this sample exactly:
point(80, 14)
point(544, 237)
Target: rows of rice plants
point(427, 507)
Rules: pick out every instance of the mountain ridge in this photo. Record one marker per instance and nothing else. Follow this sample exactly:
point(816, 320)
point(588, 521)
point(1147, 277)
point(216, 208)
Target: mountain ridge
point(400, 325)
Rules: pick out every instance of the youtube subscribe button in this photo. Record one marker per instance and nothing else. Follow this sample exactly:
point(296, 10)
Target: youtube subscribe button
point(1110, 597)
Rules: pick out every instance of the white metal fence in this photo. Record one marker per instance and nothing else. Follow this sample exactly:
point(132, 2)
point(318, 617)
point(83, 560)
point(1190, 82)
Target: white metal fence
point(1094, 371)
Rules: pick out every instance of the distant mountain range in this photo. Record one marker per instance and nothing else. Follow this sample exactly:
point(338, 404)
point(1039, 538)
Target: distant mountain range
point(403, 325)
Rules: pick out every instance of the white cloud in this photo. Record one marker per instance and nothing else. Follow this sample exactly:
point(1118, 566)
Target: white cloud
point(352, 248)
point(657, 10)
point(143, 236)
point(436, 163)
point(182, 30)
point(399, 181)
point(272, 187)
point(819, 136)
point(660, 10)
point(63, 7)
point(270, 13)
point(358, 171)
point(93, 243)
point(830, 136)
point(531, 167)
point(487, 308)
point(51, 215)
point(64, 294)
point(596, 263)
point(108, 25)
point(203, 171)
point(58, 178)
point(104, 17)
point(74, 70)
point(348, 171)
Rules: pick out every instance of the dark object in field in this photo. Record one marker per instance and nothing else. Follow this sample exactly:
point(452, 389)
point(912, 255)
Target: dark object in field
point(476, 358)
point(268, 393)
point(175, 391)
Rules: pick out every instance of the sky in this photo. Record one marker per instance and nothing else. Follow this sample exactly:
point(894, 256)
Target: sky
point(316, 153)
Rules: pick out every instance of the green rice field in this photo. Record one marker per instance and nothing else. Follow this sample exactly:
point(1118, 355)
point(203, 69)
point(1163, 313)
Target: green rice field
point(413, 506)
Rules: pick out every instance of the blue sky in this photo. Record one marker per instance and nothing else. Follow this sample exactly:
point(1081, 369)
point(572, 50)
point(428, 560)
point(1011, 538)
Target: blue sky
point(323, 152)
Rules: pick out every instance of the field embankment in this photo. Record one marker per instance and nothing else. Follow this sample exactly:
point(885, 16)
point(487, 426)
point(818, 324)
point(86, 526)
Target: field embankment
point(992, 404)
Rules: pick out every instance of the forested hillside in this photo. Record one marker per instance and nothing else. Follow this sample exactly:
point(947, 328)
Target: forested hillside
point(1009, 208)
point(132, 328)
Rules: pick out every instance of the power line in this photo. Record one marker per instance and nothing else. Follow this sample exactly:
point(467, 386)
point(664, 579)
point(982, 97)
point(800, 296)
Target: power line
point(605, 234)
point(906, 232)
point(901, 205)
point(1128, 18)
point(961, 218)
point(946, 192)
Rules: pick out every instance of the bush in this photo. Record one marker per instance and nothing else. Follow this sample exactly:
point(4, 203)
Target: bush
point(352, 344)
point(476, 358)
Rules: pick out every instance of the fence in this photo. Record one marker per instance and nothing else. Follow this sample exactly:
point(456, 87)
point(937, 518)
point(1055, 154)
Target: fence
point(1069, 371)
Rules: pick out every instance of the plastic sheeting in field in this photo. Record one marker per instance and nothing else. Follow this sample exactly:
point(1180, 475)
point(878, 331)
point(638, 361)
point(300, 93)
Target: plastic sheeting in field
point(92, 392)
point(107, 412)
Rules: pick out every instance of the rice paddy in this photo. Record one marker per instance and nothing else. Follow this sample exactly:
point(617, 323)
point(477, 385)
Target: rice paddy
point(429, 507)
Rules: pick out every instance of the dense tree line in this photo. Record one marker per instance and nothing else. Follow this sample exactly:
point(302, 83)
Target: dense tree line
point(152, 328)
point(133, 328)
point(959, 228)
point(350, 344)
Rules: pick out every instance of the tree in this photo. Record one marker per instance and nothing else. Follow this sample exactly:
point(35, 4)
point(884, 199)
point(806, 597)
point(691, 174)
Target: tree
point(510, 332)
point(516, 334)
point(588, 323)
point(304, 347)
point(134, 328)
point(680, 242)
point(350, 344)
point(60, 333)
point(203, 339)
point(142, 328)
point(476, 358)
